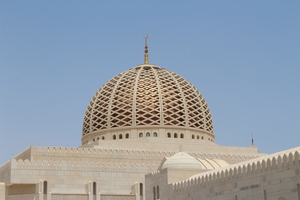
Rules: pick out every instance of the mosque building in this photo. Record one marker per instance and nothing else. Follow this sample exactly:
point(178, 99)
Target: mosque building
point(148, 134)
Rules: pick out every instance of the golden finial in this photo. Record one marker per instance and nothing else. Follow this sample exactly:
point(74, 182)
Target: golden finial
point(146, 59)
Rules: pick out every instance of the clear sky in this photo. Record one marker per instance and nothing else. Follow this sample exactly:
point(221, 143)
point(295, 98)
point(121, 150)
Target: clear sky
point(243, 56)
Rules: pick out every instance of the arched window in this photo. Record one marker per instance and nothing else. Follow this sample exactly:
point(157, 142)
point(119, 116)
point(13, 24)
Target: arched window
point(175, 135)
point(154, 134)
point(197, 137)
point(127, 135)
point(154, 193)
point(98, 138)
point(103, 138)
point(93, 139)
point(157, 192)
point(148, 134)
point(114, 137)
point(193, 136)
point(169, 135)
point(94, 188)
point(120, 136)
point(141, 189)
point(181, 135)
point(141, 135)
point(45, 187)
point(202, 137)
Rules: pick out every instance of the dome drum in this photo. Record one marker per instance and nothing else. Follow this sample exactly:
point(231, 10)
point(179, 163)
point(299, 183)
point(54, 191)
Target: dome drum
point(159, 133)
point(146, 96)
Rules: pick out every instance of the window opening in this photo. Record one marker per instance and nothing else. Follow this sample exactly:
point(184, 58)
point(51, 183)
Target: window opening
point(45, 187)
point(148, 134)
point(120, 136)
point(103, 138)
point(94, 188)
point(141, 135)
point(154, 193)
point(193, 136)
point(175, 135)
point(169, 135)
point(197, 137)
point(181, 135)
point(127, 135)
point(154, 134)
point(114, 137)
point(157, 192)
point(141, 189)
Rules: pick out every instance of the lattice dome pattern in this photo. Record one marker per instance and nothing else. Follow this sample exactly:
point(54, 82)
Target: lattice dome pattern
point(147, 95)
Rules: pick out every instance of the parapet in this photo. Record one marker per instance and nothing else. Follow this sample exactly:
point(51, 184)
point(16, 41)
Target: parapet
point(131, 154)
point(265, 163)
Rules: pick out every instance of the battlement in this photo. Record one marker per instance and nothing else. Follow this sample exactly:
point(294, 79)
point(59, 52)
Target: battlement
point(266, 163)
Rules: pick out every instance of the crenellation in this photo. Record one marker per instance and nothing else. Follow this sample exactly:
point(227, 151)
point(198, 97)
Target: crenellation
point(238, 171)
point(291, 158)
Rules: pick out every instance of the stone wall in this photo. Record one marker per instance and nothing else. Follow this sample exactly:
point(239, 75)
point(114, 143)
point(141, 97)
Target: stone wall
point(91, 154)
point(16, 189)
point(69, 197)
point(21, 197)
point(2, 191)
point(117, 197)
point(275, 176)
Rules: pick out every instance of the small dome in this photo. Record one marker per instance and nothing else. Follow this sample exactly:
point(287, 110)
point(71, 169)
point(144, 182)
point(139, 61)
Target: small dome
point(147, 96)
point(181, 161)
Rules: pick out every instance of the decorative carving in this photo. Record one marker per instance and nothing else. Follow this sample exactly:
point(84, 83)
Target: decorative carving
point(147, 95)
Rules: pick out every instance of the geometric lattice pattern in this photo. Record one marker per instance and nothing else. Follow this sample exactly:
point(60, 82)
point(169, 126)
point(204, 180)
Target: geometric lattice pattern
point(147, 95)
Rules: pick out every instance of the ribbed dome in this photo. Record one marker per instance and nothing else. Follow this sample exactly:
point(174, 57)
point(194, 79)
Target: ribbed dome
point(147, 95)
point(181, 161)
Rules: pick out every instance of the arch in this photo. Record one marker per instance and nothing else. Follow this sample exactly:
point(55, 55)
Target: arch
point(193, 136)
point(141, 135)
point(147, 134)
point(120, 136)
point(141, 189)
point(154, 134)
point(202, 137)
point(98, 138)
point(114, 137)
point(45, 187)
point(103, 138)
point(197, 137)
point(94, 188)
point(127, 135)
point(169, 135)
point(175, 135)
point(181, 135)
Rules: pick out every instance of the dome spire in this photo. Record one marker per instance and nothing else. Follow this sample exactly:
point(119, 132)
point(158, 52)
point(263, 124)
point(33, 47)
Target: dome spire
point(146, 59)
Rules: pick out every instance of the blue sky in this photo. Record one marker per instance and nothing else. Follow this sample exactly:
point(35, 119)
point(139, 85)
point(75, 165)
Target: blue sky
point(243, 56)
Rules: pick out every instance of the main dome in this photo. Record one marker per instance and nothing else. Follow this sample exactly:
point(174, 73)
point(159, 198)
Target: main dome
point(147, 95)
